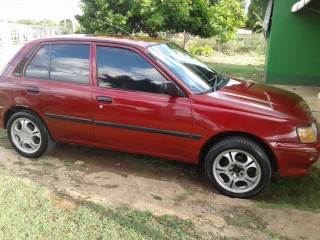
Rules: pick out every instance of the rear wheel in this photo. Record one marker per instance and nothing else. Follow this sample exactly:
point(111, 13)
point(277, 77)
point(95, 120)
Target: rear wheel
point(28, 135)
point(238, 167)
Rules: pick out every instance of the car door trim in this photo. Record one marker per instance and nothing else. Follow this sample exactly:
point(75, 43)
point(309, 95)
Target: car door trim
point(125, 126)
point(149, 130)
point(66, 118)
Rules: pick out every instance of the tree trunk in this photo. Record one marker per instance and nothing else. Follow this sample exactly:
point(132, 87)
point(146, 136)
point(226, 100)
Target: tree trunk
point(185, 39)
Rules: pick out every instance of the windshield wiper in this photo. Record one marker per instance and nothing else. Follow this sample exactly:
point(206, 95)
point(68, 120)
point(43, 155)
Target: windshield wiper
point(214, 80)
point(215, 84)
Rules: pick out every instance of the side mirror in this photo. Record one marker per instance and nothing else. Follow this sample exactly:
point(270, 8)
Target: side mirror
point(170, 88)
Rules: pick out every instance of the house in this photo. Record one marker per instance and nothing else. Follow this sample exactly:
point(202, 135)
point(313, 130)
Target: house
point(292, 30)
point(12, 34)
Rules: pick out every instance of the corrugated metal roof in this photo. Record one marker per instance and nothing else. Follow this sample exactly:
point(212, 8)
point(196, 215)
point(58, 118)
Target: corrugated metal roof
point(313, 5)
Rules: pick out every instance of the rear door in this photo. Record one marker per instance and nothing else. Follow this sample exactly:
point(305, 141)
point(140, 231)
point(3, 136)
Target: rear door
point(131, 113)
point(57, 85)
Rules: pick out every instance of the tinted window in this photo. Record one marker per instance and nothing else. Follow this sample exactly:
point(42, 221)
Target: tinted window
point(39, 65)
point(125, 69)
point(70, 63)
point(18, 71)
point(61, 62)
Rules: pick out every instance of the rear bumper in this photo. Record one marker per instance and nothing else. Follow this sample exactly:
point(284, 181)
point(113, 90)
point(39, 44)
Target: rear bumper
point(295, 159)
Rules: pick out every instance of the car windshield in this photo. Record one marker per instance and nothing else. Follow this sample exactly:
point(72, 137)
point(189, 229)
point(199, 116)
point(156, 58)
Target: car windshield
point(191, 71)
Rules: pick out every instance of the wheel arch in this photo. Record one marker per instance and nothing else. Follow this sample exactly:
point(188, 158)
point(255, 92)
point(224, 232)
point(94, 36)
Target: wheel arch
point(216, 138)
point(15, 109)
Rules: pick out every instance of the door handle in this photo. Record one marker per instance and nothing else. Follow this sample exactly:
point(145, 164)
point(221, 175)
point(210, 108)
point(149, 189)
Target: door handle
point(104, 100)
point(33, 89)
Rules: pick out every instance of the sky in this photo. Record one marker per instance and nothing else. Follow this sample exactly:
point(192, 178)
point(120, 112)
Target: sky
point(56, 10)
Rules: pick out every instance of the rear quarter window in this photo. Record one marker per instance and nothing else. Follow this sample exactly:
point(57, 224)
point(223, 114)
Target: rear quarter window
point(18, 71)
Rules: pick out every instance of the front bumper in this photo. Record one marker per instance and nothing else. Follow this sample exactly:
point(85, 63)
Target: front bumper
point(295, 159)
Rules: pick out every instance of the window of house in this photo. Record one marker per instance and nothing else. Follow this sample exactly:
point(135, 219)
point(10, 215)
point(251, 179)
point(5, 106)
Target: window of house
point(61, 62)
point(125, 69)
point(15, 34)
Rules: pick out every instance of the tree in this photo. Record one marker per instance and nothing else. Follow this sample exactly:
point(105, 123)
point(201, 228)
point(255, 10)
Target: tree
point(43, 22)
point(28, 22)
point(256, 12)
point(229, 15)
point(204, 18)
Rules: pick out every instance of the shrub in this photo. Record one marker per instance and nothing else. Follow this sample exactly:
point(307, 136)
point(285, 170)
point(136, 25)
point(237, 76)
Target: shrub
point(243, 44)
point(201, 50)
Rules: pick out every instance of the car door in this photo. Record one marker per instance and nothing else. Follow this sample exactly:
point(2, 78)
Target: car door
point(130, 113)
point(57, 85)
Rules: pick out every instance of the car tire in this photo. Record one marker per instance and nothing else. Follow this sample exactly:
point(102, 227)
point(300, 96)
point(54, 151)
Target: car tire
point(238, 167)
point(28, 135)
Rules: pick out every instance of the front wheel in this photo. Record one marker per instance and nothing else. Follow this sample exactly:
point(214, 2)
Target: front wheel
point(238, 167)
point(28, 134)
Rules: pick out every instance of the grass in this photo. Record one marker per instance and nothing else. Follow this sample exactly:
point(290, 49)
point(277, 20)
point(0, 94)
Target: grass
point(245, 219)
point(156, 197)
point(246, 67)
point(301, 193)
point(48, 164)
point(29, 211)
point(4, 142)
point(184, 196)
point(254, 73)
point(273, 235)
point(3, 134)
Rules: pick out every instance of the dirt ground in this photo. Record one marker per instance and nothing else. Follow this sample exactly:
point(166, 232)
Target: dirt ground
point(157, 185)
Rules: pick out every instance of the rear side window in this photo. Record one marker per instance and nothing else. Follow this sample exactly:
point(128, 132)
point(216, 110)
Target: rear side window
point(39, 65)
point(127, 70)
point(61, 62)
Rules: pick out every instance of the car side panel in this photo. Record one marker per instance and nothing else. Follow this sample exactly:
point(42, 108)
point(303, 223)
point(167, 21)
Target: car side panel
point(9, 95)
point(66, 108)
point(150, 123)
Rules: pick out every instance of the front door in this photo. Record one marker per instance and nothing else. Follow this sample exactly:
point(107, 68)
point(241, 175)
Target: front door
point(130, 113)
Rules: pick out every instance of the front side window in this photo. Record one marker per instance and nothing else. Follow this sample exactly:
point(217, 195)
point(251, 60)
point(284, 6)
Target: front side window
point(125, 69)
point(61, 62)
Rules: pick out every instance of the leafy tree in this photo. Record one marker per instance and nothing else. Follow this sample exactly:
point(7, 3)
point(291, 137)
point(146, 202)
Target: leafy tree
point(43, 22)
point(229, 15)
point(28, 22)
point(204, 18)
point(256, 12)
point(49, 23)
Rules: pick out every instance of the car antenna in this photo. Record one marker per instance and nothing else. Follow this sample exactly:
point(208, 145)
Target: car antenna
point(110, 24)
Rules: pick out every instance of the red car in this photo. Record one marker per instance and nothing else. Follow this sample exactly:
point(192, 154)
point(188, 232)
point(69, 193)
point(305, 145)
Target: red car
point(152, 97)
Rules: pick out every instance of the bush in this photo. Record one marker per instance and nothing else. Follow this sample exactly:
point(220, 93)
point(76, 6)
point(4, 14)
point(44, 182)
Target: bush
point(200, 50)
point(243, 44)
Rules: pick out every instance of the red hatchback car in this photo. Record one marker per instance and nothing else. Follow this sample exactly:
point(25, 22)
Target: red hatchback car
point(152, 97)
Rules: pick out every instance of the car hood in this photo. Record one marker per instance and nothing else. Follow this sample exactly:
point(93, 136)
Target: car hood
point(262, 99)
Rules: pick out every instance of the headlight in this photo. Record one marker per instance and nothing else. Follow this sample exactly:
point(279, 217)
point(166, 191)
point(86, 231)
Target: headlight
point(308, 134)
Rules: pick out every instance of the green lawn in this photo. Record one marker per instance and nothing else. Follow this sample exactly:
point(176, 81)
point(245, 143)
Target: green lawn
point(29, 211)
point(293, 192)
point(246, 67)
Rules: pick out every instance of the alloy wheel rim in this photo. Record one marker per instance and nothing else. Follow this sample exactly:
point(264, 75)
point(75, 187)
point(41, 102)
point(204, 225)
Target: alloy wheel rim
point(236, 171)
point(26, 135)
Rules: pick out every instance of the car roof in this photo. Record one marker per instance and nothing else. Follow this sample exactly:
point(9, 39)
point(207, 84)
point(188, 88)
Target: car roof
point(124, 39)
